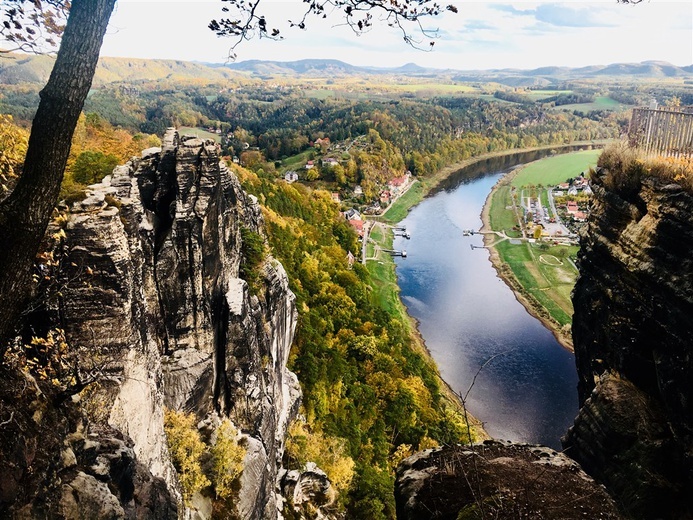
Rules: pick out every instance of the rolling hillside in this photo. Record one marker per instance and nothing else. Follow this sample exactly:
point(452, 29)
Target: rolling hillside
point(19, 68)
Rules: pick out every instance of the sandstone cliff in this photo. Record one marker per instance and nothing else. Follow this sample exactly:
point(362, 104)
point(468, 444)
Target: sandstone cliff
point(497, 479)
point(151, 294)
point(633, 330)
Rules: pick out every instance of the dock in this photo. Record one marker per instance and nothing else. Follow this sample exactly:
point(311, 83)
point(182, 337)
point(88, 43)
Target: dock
point(396, 252)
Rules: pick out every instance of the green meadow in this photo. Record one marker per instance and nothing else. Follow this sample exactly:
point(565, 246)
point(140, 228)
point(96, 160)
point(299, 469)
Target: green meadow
point(554, 170)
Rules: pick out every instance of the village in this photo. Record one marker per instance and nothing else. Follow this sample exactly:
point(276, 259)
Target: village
point(556, 212)
point(354, 201)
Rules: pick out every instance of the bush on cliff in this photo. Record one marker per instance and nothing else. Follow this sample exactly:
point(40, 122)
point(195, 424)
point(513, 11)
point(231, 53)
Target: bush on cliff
point(627, 166)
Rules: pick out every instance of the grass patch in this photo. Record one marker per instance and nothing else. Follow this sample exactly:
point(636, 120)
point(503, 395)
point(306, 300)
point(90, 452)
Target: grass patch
point(501, 218)
point(384, 277)
point(295, 161)
point(446, 88)
point(599, 103)
point(554, 170)
point(199, 132)
point(549, 285)
point(401, 207)
point(536, 95)
point(320, 93)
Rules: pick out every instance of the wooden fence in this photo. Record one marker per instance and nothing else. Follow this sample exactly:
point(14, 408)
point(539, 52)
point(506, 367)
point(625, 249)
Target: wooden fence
point(662, 131)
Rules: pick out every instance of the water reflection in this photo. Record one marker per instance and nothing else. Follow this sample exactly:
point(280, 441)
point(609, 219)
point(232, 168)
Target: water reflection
point(467, 315)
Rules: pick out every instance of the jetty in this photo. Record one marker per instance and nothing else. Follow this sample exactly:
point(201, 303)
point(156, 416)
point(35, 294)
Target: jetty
point(396, 252)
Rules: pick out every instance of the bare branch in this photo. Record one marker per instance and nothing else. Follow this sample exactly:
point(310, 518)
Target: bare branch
point(358, 15)
point(33, 26)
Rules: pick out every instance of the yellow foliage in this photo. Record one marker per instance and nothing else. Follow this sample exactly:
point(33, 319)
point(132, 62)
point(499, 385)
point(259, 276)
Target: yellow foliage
point(329, 453)
point(422, 398)
point(13, 145)
point(227, 459)
point(186, 449)
point(627, 166)
point(402, 452)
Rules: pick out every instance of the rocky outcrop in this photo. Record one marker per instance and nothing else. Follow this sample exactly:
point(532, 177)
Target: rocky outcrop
point(632, 331)
point(497, 479)
point(309, 493)
point(153, 298)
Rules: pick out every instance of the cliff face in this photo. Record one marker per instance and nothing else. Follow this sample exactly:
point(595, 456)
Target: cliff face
point(633, 330)
point(152, 295)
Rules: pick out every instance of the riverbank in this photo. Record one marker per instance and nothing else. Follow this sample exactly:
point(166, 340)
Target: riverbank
point(386, 290)
point(562, 334)
point(419, 190)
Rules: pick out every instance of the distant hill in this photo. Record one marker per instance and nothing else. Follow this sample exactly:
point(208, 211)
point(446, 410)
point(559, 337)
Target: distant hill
point(20, 68)
point(302, 67)
point(513, 77)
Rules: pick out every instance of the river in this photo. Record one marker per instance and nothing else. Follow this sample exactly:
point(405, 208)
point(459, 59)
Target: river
point(469, 317)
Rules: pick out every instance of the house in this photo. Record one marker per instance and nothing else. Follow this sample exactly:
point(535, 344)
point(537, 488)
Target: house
point(335, 197)
point(309, 165)
point(350, 258)
point(357, 225)
point(322, 141)
point(572, 190)
point(352, 214)
point(397, 184)
point(291, 176)
point(385, 196)
point(330, 161)
point(580, 216)
point(572, 207)
point(563, 186)
point(358, 190)
point(587, 190)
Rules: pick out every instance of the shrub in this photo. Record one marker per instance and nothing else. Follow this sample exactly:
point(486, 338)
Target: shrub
point(253, 253)
point(186, 448)
point(329, 453)
point(627, 166)
point(91, 167)
point(227, 460)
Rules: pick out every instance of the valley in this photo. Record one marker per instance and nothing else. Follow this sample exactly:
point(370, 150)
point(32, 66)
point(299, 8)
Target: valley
point(231, 250)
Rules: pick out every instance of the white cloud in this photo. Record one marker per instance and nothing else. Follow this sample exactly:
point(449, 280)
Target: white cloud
point(481, 35)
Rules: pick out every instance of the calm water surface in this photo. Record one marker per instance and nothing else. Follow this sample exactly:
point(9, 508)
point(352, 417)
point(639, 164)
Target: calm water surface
point(467, 315)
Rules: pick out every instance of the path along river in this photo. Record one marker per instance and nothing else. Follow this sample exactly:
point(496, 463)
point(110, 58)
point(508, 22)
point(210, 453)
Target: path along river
point(467, 315)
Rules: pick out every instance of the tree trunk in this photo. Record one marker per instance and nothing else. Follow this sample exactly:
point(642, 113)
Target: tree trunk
point(25, 214)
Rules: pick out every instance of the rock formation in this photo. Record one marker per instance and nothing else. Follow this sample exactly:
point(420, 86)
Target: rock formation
point(633, 330)
point(496, 479)
point(153, 298)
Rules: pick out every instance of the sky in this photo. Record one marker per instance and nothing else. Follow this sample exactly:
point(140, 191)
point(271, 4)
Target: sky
point(481, 35)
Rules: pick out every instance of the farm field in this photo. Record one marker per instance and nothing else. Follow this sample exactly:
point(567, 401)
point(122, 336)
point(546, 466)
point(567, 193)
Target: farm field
point(599, 103)
point(554, 170)
point(199, 132)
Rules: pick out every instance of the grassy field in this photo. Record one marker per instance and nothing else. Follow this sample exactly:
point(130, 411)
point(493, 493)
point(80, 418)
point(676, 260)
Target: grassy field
point(599, 103)
point(384, 277)
point(545, 273)
point(295, 161)
point(501, 218)
point(554, 170)
point(536, 95)
point(401, 207)
point(446, 88)
point(199, 132)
